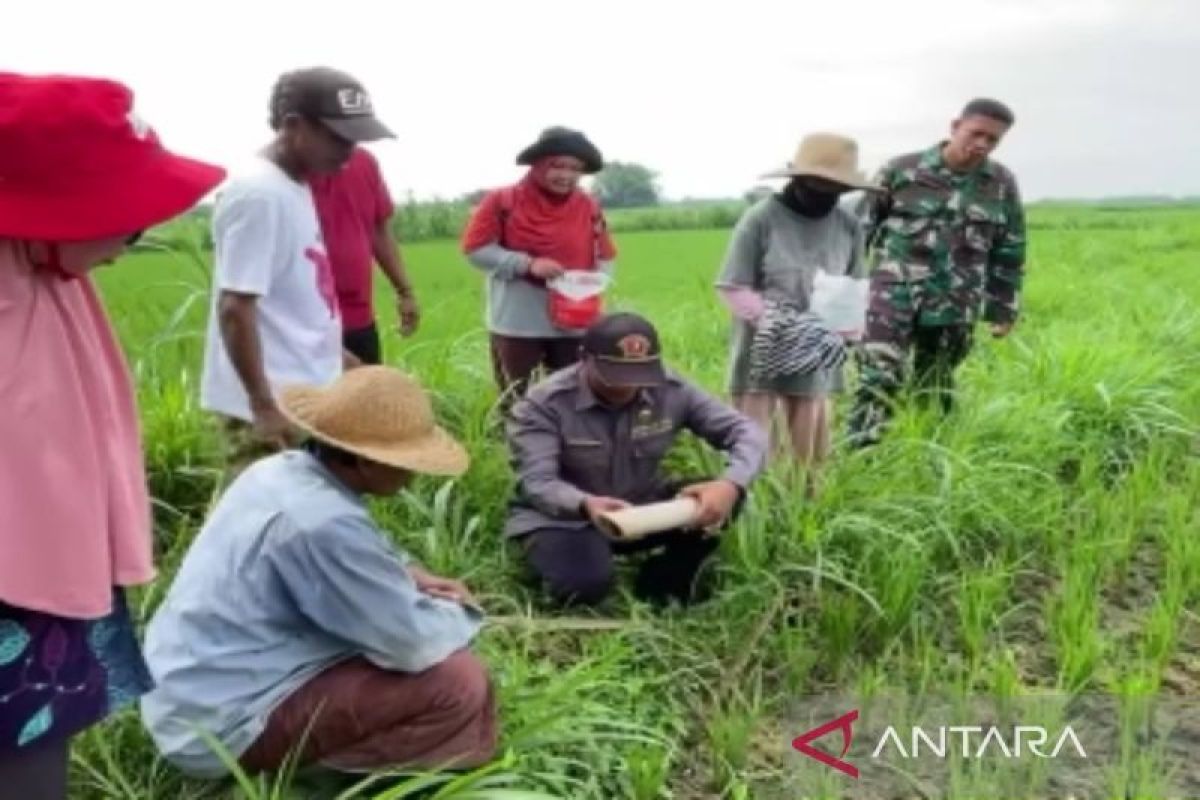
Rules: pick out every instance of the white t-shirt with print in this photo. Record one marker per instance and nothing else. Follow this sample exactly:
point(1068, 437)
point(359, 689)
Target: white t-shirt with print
point(267, 242)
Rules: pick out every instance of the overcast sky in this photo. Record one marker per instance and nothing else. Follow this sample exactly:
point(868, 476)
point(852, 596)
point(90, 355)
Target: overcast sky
point(709, 96)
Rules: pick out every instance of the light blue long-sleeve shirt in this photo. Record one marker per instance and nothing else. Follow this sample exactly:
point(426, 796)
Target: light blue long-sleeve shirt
point(288, 576)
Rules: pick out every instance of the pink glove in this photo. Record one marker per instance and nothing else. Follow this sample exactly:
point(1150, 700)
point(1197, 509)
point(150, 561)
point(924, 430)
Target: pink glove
point(746, 304)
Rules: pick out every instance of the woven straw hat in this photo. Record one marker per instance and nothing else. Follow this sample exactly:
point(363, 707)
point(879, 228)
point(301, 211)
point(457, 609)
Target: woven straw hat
point(378, 413)
point(829, 156)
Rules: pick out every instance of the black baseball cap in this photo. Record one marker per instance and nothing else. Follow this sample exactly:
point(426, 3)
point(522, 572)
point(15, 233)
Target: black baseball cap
point(625, 350)
point(333, 98)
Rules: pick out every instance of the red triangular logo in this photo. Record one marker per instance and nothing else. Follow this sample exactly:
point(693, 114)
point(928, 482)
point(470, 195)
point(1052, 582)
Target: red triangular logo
point(845, 723)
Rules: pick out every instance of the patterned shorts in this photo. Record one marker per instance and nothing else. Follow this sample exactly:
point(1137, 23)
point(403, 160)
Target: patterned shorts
point(59, 676)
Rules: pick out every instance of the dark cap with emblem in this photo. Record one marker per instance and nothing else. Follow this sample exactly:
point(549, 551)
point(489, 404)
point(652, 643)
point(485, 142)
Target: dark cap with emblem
point(331, 97)
point(625, 350)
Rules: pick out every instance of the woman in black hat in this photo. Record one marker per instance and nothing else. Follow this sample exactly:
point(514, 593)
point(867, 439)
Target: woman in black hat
point(530, 233)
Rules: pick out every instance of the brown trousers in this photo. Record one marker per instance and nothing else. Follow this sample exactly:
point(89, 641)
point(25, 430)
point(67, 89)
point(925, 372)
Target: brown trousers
point(516, 359)
point(356, 717)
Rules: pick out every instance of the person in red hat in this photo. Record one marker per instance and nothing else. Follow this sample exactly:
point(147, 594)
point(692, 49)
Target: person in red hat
point(274, 319)
point(81, 176)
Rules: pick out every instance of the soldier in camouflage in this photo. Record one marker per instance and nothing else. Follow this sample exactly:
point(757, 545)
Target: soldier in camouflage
point(948, 244)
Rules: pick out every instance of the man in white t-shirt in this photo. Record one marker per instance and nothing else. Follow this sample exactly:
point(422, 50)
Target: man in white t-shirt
point(274, 319)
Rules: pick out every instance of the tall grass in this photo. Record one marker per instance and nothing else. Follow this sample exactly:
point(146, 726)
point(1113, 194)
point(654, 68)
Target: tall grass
point(1041, 538)
point(434, 220)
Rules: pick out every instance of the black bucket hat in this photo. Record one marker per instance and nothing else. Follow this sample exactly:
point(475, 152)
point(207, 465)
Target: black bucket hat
point(560, 141)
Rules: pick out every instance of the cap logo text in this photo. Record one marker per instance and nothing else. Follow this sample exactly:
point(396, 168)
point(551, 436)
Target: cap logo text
point(634, 346)
point(354, 101)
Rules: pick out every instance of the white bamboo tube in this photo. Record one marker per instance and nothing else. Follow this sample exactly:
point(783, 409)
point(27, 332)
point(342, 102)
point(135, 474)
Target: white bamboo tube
point(639, 521)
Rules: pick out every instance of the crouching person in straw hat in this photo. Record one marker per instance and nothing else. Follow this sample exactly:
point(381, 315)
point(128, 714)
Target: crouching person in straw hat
point(294, 629)
point(783, 359)
point(81, 175)
point(591, 439)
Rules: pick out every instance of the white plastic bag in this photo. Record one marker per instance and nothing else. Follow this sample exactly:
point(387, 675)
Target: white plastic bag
point(841, 302)
point(580, 284)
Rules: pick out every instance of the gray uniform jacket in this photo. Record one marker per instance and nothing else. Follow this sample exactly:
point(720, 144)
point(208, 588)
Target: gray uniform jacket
point(567, 445)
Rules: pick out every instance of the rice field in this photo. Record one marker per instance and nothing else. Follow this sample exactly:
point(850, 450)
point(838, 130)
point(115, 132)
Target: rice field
point(1042, 539)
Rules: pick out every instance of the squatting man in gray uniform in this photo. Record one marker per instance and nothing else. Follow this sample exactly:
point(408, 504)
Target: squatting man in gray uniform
point(591, 438)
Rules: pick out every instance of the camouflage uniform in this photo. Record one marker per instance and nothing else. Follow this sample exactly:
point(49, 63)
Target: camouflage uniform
point(946, 246)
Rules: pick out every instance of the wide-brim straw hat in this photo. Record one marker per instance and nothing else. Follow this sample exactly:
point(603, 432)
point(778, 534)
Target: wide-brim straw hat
point(378, 413)
point(830, 156)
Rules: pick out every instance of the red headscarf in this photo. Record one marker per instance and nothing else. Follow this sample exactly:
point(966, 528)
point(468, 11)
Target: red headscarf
point(542, 224)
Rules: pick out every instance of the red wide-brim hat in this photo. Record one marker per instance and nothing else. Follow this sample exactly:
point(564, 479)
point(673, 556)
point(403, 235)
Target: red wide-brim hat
point(77, 163)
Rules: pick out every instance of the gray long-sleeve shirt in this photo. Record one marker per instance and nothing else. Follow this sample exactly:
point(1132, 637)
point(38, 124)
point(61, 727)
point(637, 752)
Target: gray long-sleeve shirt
point(777, 252)
point(515, 305)
point(567, 445)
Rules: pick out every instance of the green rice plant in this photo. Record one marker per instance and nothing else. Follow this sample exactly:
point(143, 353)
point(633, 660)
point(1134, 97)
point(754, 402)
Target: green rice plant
point(1073, 618)
point(980, 603)
point(647, 773)
point(729, 729)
